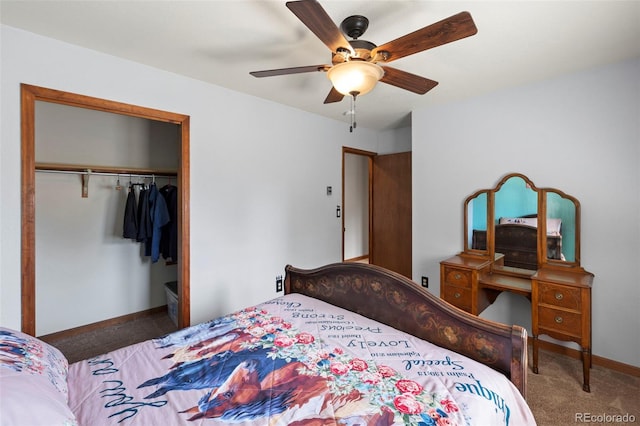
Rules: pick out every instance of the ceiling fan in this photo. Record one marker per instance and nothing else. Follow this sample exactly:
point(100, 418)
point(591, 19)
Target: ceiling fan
point(355, 69)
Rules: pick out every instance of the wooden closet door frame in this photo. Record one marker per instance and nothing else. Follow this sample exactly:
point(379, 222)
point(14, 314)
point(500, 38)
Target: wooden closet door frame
point(29, 95)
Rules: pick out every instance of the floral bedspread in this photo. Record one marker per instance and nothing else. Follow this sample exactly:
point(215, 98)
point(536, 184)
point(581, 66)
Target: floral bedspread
point(293, 360)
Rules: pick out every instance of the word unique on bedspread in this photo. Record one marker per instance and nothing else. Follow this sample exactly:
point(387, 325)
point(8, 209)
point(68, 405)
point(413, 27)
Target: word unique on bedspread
point(293, 360)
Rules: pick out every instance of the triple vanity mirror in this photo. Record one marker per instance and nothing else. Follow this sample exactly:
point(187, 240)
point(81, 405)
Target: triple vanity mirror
point(525, 240)
point(506, 220)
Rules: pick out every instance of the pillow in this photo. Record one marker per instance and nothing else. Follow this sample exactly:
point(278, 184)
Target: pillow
point(553, 226)
point(529, 221)
point(33, 382)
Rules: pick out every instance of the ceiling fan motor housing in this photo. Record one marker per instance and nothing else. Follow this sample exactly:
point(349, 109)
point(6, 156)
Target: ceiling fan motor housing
point(354, 26)
point(362, 49)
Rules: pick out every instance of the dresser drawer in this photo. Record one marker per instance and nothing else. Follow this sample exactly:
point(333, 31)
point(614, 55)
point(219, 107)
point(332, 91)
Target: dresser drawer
point(559, 295)
point(458, 277)
point(560, 321)
point(458, 296)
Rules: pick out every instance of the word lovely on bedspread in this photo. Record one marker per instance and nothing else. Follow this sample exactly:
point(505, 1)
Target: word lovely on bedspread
point(293, 360)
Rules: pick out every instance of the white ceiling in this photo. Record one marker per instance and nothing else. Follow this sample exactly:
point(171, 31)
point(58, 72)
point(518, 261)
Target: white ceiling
point(221, 41)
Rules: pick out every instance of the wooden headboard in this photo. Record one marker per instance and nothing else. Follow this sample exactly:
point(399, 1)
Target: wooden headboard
point(396, 301)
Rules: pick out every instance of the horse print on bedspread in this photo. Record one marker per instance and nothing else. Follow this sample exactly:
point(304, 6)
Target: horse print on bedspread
point(265, 367)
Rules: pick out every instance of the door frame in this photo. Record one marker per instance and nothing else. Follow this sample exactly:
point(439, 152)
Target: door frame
point(29, 95)
point(370, 155)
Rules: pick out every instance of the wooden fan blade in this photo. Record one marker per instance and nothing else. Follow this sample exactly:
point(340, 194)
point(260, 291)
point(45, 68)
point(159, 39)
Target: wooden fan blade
point(333, 96)
point(294, 70)
point(320, 23)
point(454, 28)
point(407, 81)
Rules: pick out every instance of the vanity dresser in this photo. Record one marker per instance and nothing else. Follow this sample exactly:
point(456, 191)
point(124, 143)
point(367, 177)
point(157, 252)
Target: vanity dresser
point(524, 240)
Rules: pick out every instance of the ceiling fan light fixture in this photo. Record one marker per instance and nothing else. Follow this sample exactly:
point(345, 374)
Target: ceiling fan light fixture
point(358, 77)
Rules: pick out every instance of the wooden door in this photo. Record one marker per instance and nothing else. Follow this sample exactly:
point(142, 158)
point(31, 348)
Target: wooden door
point(391, 213)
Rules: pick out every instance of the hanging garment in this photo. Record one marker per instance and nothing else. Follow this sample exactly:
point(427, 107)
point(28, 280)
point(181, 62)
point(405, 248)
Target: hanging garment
point(144, 221)
point(159, 216)
point(169, 239)
point(130, 225)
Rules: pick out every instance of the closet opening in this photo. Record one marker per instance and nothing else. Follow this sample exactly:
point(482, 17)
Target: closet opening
point(104, 181)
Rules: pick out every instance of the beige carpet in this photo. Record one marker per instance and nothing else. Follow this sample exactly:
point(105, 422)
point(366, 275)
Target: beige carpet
point(107, 339)
point(555, 395)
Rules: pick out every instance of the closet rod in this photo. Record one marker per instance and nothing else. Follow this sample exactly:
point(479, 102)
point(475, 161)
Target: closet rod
point(102, 170)
point(94, 173)
point(85, 172)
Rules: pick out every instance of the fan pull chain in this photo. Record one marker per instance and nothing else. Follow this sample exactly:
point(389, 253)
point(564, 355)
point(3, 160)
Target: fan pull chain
point(353, 111)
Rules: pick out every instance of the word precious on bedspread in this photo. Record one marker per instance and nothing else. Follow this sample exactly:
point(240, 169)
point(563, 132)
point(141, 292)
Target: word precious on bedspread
point(114, 391)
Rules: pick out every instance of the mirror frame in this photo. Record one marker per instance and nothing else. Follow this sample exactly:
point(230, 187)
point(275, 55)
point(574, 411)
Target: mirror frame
point(467, 228)
point(544, 260)
point(542, 194)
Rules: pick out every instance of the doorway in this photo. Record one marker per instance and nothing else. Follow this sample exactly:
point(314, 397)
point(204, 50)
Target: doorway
point(356, 204)
point(376, 200)
point(29, 96)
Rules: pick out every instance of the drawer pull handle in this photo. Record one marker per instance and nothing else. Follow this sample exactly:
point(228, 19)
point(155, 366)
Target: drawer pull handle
point(559, 320)
point(559, 296)
point(457, 276)
point(457, 295)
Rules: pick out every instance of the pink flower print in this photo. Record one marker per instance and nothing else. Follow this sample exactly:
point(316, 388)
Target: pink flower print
point(358, 364)
point(408, 386)
point(338, 351)
point(370, 378)
point(270, 328)
point(283, 341)
point(323, 354)
point(386, 371)
point(285, 325)
point(407, 404)
point(448, 405)
point(305, 338)
point(339, 368)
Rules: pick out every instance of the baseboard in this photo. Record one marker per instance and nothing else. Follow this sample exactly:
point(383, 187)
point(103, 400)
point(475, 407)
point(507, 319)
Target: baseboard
point(595, 359)
point(355, 259)
point(49, 338)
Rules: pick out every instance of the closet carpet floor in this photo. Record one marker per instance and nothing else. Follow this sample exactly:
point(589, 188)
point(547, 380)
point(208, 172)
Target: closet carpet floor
point(96, 342)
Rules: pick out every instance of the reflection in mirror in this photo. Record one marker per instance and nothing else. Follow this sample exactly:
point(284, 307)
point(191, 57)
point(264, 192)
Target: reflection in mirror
point(516, 220)
point(518, 225)
point(476, 222)
point(561, 227)
point(515, 199)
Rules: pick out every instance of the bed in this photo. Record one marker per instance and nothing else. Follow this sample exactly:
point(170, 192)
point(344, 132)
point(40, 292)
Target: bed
point(348, 344)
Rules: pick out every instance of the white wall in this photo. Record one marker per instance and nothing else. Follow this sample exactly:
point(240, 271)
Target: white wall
point(579, 134)
point(256, 205)
point(80, 250)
